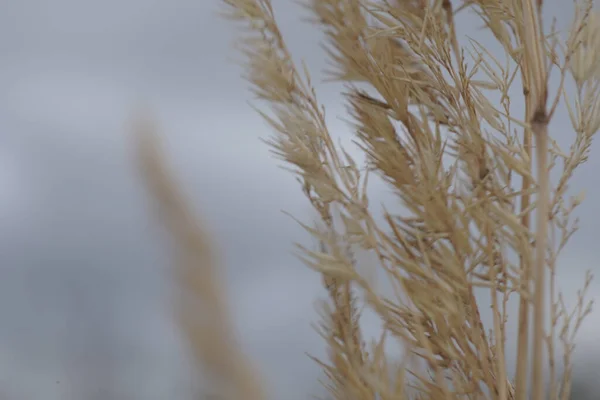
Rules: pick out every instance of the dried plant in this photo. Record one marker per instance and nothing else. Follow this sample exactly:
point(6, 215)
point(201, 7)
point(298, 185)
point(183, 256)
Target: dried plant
point(462, 167)
point(202, 308)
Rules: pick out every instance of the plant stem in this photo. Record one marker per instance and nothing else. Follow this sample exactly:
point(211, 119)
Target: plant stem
point(540, 131)
point(525, 264)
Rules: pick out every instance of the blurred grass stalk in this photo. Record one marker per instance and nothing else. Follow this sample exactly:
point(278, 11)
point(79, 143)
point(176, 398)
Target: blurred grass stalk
point(202, 304)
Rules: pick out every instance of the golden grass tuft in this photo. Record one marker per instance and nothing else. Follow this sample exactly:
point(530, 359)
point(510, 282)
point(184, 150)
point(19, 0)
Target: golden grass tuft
point(461, 166)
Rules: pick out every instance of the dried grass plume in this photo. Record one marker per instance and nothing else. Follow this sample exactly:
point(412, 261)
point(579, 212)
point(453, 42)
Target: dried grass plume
point(470, 174)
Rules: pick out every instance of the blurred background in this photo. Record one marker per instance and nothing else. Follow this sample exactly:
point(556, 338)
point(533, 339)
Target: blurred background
point(84, 275)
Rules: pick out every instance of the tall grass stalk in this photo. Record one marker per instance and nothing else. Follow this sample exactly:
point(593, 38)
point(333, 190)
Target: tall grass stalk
point(461, 166)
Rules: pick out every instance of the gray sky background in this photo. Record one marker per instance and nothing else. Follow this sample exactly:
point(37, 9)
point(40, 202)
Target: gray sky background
point(84, 282)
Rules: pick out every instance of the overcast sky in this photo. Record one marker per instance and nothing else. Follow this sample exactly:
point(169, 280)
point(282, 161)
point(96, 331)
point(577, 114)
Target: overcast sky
point(84, 282)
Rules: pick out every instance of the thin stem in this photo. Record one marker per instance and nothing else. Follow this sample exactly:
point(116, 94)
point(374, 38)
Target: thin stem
point(536, 57)
point(525, 263)
point(540, 130)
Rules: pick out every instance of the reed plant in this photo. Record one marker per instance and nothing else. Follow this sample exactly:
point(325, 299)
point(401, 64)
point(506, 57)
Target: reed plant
point(472, 176)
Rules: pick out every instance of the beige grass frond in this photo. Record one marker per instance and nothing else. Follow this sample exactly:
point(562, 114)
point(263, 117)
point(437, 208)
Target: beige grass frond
point(201, 304)
point(460, 167)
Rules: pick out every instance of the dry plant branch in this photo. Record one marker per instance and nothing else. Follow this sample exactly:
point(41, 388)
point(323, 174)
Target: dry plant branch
point(460, 230)
point(454, 160)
